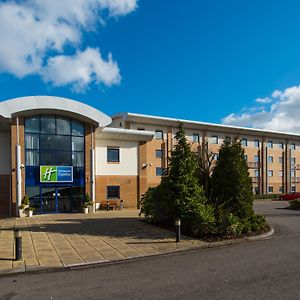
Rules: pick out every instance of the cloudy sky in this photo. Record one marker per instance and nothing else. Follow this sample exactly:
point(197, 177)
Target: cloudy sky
point(233, 62)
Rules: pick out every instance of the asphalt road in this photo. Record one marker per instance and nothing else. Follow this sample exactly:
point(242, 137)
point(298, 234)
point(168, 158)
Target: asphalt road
point(268, 269)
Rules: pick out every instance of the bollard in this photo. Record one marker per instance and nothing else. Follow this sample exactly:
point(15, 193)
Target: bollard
point(107, 206)
point(121, 204)
point(18, 244)
point(178, 223)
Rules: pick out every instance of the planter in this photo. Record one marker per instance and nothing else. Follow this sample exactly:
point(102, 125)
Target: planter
point(29, 213)
point(91, 209)
point(22, 213)
point(85, 210)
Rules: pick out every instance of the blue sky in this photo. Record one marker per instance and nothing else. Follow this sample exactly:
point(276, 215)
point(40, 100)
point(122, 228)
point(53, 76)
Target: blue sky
point(216, 61)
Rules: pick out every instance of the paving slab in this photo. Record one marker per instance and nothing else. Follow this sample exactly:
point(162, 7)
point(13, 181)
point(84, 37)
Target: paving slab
point(64, 240)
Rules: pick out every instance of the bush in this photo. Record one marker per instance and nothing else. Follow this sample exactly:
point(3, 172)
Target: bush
point(201, 221)
point(294, 204)
point(267, 196)
point(258, 223)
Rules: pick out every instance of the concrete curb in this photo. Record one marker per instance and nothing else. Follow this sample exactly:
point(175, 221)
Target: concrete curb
point(44, 269)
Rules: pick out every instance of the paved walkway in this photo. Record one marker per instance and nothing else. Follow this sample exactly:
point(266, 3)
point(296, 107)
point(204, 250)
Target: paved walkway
point(65, 240)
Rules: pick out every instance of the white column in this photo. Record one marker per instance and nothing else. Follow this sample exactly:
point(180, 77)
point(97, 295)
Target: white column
point(18, 170)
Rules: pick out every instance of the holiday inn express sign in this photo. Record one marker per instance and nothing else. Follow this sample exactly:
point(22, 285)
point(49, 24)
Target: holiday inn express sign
point(56, 174)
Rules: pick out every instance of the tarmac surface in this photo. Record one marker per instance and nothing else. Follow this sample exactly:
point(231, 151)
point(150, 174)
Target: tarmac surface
point(262, 269)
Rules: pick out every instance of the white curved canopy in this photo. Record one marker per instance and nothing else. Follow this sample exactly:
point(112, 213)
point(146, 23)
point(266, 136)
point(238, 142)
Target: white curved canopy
point(56, 105)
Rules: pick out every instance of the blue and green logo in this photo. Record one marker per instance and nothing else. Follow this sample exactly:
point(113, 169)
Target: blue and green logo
point(53, 174)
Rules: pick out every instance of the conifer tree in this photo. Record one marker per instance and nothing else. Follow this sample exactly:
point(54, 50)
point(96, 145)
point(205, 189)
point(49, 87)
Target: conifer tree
point(180, 191)
point(232, 186)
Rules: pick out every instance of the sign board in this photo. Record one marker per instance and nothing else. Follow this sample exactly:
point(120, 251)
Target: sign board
point(54, 174)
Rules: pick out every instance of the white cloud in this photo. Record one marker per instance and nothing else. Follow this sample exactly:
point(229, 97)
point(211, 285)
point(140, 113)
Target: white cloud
point(263, 100)
point(281, 115)
point(81, 69)
point(35, 33)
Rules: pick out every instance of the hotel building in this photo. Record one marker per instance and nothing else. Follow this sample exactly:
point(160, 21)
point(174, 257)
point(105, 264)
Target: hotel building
point(56, 150)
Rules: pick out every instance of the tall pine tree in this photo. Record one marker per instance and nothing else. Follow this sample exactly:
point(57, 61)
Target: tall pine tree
point(232, 185)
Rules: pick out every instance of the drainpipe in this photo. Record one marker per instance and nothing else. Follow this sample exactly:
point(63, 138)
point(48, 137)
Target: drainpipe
point(18, 170)
point(92, 166)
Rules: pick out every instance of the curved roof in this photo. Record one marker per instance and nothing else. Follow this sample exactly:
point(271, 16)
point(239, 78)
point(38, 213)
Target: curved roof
point(57, 105)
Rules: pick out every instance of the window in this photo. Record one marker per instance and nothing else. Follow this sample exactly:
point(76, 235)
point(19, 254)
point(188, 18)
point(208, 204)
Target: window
point(77, 129)
point(270, 189)
point(270, 173)
point(256, 173)
point(280, 145)
point(280, 173)
point(256, 143)
point(195, 138)
point(159, 134)
point(246, 157)
point(63, 126)
point(256, 158)
point(270, 159)
point(293, 173)
point(113, 192)
point(48, 124)
point(32, 158)
point(113, 154)
point(293, 146)
point(158, 153)
point(256, 190)
point(281, 189)
point(293, 160)
point(293, 188)
point(159, 171)
point(280, 159)
point(214, 139)
point(32, 141)
point(244, 142)
point(215, 156)
point(32, 124)
point(270, 144)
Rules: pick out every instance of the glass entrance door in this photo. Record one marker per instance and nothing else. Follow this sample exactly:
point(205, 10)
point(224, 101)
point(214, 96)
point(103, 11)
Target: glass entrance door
point(64, 199)
point(49, 199)
point(61, 199)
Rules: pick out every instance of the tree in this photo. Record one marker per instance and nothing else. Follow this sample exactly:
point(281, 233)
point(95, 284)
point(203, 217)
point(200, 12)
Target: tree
point(205, 168)
point(179, 194)
point(231, 183)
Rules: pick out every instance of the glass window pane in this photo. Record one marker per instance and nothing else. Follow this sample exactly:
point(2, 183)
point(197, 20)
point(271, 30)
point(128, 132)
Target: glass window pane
point(77, 143)
point(55, 142)
point(63, 126)
point(48, 124)
point(113, 154)
point(47, 158)
point(63, 158)
point(195, 138)
point(159, 153)
point(32, 158)
point(78, 159)
point(113, 192)
point(77, 128)
point(32, 124)
point(31, 141)
point(159, 171)
point(159, 134)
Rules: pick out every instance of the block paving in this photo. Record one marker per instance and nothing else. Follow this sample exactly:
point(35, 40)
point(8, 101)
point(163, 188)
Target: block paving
point(66, 240)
